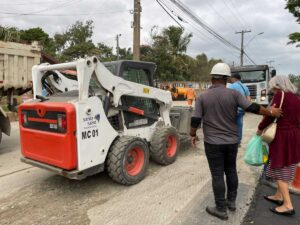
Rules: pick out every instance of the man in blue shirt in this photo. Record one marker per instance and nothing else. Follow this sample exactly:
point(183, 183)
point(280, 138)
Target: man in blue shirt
point(243, 89)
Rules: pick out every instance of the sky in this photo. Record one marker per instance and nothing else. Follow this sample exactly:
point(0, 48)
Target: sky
point(225, 17)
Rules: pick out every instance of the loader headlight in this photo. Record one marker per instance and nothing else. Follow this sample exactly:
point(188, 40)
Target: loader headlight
point(24, 118)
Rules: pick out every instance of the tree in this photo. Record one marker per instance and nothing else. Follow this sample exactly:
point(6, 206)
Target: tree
point(10, 34)
point(125, 54)
point(106, 53)
point(37, 34)
point(293, 7)
point(167, 51)
point(76, 42)
point(294, 79)
point(177, 41)
point(203, 67)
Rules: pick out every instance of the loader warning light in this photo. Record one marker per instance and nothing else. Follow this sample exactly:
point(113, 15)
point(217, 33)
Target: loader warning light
point(24, 118)
point(62, 122)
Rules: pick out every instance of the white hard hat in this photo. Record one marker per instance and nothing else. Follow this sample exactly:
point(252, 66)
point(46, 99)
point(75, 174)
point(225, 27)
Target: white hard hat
point(221, 69)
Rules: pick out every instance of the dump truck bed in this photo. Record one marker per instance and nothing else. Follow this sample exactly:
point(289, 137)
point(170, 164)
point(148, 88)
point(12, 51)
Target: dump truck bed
point(16, 61)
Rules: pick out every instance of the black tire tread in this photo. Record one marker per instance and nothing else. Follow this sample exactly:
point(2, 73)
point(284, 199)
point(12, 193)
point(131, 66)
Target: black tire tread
point(158, 143)
point(115, 160)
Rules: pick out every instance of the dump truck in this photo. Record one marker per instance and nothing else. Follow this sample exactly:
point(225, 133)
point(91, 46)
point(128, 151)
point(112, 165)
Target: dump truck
point(16, 62)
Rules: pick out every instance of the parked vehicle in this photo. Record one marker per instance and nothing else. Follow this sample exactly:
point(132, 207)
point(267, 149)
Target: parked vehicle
point(256, 77)
point(16, 61)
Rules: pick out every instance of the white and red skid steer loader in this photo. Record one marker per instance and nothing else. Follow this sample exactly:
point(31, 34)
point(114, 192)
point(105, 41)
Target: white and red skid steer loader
point(109, 116)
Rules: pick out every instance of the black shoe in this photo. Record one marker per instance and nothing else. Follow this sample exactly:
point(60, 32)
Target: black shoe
point(289, 212)
point(217, 213)
point(278, 202)
point(231, 206)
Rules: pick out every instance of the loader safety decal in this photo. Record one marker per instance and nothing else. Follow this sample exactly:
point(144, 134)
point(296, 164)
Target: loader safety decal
point(91, 122)
point(89, 134)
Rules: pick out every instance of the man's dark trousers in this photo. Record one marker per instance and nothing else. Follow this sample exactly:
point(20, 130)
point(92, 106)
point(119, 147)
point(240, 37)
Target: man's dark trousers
point(222, 159)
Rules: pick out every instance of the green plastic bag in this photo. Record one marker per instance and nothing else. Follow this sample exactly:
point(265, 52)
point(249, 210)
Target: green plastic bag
point(256, 152)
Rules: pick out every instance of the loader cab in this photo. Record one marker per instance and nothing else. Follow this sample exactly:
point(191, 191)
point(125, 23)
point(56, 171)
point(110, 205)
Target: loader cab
point(135, 71)
point(142, 73)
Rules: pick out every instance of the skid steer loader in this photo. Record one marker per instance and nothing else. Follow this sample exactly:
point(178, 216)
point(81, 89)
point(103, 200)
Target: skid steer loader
point(106, 117)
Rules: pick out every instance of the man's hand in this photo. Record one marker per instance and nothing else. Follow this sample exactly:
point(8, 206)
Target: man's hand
point(193, 141)
point(275, 112)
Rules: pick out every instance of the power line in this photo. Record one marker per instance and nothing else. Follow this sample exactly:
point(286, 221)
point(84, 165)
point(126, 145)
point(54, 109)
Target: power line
point(201, 23)
point(233, 13)
point(223, 19)
point(190, 14)
point(80, 14)
point(31, 3)
point(193, 25)
point(163, 7)
point(241, 16)
point(65, 4)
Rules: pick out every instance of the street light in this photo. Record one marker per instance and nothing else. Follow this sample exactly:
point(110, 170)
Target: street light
point(253, 38)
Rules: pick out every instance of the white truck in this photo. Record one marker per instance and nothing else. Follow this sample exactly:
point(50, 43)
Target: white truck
point(16, 61)
point(111, 117)
point(256, 78)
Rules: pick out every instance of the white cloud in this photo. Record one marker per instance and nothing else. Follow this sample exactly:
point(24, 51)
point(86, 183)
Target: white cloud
point(224, 16)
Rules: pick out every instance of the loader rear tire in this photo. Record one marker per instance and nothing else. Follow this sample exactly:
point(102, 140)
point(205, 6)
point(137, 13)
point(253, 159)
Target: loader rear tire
point(164, 145)
point(127, 160)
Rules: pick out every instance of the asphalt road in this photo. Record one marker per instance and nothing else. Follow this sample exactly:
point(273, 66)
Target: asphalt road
point(172, 195)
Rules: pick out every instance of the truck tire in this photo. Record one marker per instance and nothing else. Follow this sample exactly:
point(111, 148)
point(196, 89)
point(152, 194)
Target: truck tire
point(164, 145)
point(127, 160)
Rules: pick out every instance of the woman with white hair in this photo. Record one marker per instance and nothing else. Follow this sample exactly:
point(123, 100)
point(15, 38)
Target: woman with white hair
point(284, 151)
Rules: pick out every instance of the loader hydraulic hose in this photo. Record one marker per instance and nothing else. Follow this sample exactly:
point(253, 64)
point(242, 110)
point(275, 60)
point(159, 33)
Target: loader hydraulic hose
point(106, 103)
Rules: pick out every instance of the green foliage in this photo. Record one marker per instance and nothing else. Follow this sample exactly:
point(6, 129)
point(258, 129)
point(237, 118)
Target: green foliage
point(167, 49)
point(9, 34)
point(105, 53)
point(37, 34)
point(295, 79)
point(294, 38)
point(76, 42)
point(294, 7)
point(125, 53)
point(168, 52)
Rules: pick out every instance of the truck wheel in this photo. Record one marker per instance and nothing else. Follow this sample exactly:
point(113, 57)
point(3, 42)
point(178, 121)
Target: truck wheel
point(164, 145)
point(128, 160)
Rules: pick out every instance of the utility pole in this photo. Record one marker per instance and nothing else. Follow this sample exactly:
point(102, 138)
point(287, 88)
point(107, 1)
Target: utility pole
point(118, 47)
point(136, 29)
point(242, 44)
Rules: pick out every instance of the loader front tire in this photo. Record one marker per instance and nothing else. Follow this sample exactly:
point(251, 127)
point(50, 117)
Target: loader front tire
point(164, 145)
point(127, 160)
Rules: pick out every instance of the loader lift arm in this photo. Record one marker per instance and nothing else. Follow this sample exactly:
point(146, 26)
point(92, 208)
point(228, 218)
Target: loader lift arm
point(114, 85)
